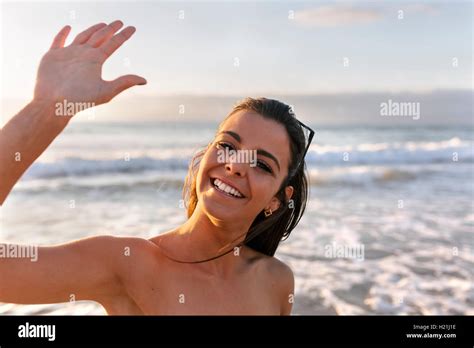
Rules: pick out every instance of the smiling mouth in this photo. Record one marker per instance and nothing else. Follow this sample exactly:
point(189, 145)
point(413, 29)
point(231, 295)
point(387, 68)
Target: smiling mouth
point(226, 189)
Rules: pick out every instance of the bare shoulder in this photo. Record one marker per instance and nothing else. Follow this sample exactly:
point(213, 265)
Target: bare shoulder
point(124, 253)
point(280, 272)
point(114, 246)
point(106, 248)
point(284, 279)
point(279, 277)
point(135, 249)
point(272, 266)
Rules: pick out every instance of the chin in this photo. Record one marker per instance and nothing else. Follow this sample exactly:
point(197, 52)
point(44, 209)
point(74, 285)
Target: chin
point(218, 204)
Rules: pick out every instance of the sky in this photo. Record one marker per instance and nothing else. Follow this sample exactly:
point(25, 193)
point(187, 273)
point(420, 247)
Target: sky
point(239, 48)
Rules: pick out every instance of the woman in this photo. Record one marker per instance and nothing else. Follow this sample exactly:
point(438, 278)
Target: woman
point(220, 261)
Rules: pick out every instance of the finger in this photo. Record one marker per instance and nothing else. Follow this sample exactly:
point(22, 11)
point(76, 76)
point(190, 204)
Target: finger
point(104, 34)
point(61, 37)
point(86, 34)
point(122, 83)
point(117, 40)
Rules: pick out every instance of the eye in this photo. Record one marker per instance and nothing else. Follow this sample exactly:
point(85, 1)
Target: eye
point(223, 145)
point(264, 166)
point(261, 164)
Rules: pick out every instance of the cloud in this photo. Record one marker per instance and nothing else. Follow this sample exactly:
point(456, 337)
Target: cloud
point(336, 15)
point(346, 15)
point(420, 8)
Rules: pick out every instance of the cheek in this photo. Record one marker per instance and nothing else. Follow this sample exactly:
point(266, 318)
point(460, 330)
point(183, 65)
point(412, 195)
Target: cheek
point(263, 189)
point(207, 162)
point(209, 158)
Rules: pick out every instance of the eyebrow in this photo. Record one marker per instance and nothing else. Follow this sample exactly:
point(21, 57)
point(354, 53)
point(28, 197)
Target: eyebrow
point(259, 151)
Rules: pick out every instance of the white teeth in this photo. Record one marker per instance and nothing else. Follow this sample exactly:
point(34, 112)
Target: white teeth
point(226, 188)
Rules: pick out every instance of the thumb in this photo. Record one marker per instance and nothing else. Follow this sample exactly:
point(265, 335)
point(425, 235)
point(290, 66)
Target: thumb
point(122, 83)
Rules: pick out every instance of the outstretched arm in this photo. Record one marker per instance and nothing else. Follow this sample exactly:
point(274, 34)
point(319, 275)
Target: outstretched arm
point(87, 269)
point(69, 74)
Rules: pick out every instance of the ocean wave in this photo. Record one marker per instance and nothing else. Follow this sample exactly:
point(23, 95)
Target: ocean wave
point(360, 175)
point(392, 153)
point(319, 156)
point(73, 166)
point(174, 180)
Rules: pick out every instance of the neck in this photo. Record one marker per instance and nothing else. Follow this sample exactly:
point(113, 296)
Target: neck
point(202, 237)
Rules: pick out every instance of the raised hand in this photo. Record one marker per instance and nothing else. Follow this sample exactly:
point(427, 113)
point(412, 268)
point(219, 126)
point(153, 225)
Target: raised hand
point(74, 73)
point(69, 74)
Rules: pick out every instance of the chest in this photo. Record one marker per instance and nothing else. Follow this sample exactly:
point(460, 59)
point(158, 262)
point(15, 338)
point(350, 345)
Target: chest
point(184, 293)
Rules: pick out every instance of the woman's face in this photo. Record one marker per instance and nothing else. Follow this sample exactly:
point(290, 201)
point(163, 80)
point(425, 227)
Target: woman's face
point(255, 173)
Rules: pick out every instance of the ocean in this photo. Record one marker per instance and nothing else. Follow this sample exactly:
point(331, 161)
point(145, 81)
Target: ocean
point(388, 227)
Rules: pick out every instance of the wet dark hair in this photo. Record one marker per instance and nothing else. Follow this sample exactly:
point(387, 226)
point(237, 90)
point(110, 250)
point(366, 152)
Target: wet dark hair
point(265, 233)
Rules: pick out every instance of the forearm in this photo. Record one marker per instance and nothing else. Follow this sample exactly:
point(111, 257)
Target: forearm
point(24, 138)
point(65, 73)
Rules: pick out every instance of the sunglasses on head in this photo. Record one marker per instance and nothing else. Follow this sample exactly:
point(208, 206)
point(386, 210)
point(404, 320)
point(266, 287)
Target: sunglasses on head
point(309, 134)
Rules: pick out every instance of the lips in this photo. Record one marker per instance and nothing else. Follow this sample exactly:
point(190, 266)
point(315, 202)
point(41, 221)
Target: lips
point(226, 188)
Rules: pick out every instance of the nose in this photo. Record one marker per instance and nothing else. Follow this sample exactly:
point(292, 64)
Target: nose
point(239, 169)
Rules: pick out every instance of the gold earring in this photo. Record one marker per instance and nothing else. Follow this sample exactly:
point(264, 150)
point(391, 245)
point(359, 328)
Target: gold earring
point(268, 212)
